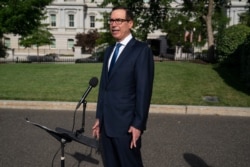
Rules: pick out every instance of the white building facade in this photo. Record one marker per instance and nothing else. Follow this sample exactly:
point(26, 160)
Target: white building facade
point(66, 18)
point(236, 7)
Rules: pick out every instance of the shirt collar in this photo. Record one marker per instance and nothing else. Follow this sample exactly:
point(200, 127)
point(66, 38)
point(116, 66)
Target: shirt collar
point(125, 41)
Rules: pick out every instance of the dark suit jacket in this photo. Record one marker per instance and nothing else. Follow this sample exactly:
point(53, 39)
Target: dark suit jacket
point(125, 94)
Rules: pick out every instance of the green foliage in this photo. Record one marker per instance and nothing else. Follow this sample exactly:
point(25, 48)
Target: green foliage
point(21, 16)
point(199, 10)
point(38, 37)
point(221, 23)
point(87, 41)
point(234, 51)
point(102, 42)
point(212, 17)
point(176, 27)
point(105, 37)
point(232, 38)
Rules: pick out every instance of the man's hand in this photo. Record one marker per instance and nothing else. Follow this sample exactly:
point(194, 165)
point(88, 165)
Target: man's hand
point(136, 133)
point(96, 129)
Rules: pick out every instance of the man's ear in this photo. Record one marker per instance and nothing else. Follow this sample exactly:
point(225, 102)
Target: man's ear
point(131, 24)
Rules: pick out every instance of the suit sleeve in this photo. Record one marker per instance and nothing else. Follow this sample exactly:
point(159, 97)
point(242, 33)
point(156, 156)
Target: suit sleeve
point(144, 74)
point(99, 109)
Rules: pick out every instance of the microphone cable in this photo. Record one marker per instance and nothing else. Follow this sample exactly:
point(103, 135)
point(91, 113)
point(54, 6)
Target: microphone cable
point(53, 160)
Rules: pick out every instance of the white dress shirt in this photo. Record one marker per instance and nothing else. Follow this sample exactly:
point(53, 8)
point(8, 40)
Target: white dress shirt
point(124, 42)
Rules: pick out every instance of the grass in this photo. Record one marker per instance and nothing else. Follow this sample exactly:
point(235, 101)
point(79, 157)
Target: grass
point(175, 83)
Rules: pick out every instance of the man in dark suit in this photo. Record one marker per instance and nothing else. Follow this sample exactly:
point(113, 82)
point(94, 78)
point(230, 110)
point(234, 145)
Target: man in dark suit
point(124, 94)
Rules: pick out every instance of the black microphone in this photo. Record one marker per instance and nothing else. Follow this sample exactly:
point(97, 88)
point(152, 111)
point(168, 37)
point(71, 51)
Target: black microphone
point(92, 83)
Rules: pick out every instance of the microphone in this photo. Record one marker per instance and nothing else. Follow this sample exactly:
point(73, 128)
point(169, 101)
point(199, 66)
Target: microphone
point(92, 83)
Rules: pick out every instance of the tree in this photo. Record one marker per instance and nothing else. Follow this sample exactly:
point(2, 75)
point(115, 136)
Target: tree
point(206, 10)
point(21, 16)
point(38, 37)
point(105, 38)
point(181, 31)
point(87, 41)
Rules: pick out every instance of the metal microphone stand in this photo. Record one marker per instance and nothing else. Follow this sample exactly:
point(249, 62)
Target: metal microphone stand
point(65, 136)
point(63, 142)
point(82, 129)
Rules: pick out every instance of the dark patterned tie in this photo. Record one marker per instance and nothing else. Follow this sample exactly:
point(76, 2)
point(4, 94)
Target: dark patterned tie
point(112, 63)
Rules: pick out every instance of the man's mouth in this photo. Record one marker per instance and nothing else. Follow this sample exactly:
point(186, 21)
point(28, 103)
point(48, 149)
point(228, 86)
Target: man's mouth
point(114, 31)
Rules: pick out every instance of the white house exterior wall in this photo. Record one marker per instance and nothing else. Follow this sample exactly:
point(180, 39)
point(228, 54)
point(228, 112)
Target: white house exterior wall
point(236, 7)
point(62, 32)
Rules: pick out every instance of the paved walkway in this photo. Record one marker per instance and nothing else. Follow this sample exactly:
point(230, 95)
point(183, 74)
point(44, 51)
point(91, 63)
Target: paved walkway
point(170, 109)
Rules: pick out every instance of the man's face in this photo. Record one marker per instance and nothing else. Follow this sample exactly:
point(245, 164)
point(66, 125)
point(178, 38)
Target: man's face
point(120, 31)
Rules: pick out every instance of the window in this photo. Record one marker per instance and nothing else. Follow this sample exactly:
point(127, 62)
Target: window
point(70, 43)
point(92, 21)
point(53, 43)
point(7, 42)
point(71, 20)
point(53, 20)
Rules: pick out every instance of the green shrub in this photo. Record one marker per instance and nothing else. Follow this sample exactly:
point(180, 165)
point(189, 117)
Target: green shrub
point(230, 41)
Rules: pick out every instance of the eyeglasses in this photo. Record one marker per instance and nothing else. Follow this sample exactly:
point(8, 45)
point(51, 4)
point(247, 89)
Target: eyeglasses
point(117, 21)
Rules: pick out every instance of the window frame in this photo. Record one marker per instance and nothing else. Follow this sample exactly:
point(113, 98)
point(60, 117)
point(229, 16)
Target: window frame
point(53, 43)
point(71, 20)
point(53, 20)
point(7, 42)
point(70, 43)
point(92, 21)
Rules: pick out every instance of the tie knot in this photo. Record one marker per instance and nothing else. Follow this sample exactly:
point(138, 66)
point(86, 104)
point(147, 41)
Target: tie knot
point(118, 45)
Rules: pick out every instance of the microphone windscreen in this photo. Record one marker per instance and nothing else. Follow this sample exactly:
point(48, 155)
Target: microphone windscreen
point(93, 82)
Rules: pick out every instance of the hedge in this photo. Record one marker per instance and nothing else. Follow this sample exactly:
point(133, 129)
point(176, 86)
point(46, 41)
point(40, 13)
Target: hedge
point(231, 40)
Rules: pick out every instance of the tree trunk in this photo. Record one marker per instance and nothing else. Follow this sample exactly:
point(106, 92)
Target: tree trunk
point(211, 49)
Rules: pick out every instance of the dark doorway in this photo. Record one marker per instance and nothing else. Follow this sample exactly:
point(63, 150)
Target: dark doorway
point(155, 46)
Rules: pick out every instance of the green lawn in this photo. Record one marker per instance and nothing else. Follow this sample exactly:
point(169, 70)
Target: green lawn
point(177, 83)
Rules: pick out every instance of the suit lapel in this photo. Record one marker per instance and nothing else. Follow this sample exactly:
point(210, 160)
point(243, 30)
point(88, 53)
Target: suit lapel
point(106, 60)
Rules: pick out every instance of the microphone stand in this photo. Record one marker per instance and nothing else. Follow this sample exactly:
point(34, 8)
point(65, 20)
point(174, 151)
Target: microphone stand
point(63, 142)
point(82, 129)
point(65, 136)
